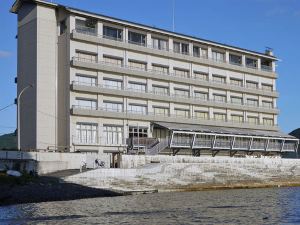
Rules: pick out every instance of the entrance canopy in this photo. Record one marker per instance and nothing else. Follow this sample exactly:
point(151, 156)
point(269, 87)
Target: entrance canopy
point(224, 138)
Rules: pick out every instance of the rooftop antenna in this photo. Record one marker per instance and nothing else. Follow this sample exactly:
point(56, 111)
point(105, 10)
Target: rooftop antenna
point(173, 27)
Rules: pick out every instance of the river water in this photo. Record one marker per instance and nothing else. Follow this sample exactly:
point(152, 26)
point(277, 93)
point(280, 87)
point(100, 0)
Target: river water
point(245, 206)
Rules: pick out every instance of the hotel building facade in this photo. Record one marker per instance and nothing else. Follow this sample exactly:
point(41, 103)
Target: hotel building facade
point(107, 85)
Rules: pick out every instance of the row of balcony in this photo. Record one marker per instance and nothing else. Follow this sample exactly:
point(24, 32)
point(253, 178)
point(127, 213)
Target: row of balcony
point(174, 97)
point(204, 82)
point(253, 66)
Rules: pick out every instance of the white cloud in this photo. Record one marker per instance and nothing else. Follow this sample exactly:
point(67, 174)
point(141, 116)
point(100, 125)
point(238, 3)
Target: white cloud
point(5, 54)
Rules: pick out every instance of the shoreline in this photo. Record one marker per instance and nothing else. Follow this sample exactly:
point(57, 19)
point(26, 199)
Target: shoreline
point(47, 189)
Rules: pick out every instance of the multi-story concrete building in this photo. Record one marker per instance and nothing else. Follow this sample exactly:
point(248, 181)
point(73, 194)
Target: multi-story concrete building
point(103, 84)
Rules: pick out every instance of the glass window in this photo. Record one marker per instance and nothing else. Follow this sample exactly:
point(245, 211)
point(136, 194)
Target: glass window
point(112, 83)
point(218, 56)
point(219, 79)
point(252, 63)
point(137, 65)
point(200, 75)
point(181, 73)
point(182, 113)
point(219, 98)
point(267, 104)
point(87, 133)
point(160, 69)
point(185, 48)
point(181, 92)
point(252, 119)
point(204, 53)
point(196, 51)
point(201, 95)
point(86, 103)
point(252, 102)
point(235, 59)
point(136, 38)
point(176, 47)
point(86, 26)
point(220, 116)
point(266, 64)
point(113, 106)
point(138, 132)
point(161, 111)
point(112, 33)
point(113, 60)
point(267, 87)
point(201, 115)
point(134, 86)
point(82, 79)
point(252, 84)
point(236, 82)
point(137, 109)
point(268, 121)
point(158, 43)
point(236, 100)
point(113, 135)
point(160, 90)
point(237, 118)
point(86, 57)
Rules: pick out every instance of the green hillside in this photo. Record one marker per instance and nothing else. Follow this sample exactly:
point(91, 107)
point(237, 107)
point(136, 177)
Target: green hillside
point(8, 142)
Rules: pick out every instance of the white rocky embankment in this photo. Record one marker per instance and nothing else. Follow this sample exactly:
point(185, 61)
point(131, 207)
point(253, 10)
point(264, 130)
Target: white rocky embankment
point(163, 173)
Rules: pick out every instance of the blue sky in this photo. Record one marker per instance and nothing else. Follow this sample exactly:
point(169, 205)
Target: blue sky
point(251, 24)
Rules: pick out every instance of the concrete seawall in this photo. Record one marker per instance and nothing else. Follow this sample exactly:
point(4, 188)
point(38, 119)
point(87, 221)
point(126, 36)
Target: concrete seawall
point(167, 173)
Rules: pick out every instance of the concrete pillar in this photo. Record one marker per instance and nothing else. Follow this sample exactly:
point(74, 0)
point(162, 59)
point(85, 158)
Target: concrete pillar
point(259, 63)
point(243, 60)
point(273, 66)
point(227, 57)
point(260, 118)
point(149, 85)
point(228, 96)
point(209, 52)
point(150, 107)
point(171, 88)
point(100, 29)
point(172, 112)
point(71, 23)
point(171, 44)
point(190, 48)
point(148, 40)
point(210, 113)
point(125, 34)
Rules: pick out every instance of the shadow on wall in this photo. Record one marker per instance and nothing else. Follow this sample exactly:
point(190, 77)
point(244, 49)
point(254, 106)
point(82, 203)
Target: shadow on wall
point(295, 133)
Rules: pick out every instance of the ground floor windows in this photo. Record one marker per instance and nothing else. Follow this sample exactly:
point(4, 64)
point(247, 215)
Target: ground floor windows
point(138, 132)
point(113, 135)
point(87, 133)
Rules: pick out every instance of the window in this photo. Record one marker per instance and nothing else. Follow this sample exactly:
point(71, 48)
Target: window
point(181, 93)
point(135, 86)
point(136, 38)
point(219, 98)
point(196, 51)
point(137, 65)
point(86, 26)
point(235, 59)
point(219, 79)
point(237, 118)
point(236, 100)
point(86, 103)
point(268, 121)
point(181, 72)
point(181, 48)
point(112, 83)
point(218, 56)
point(113, 60)
point(113, 135)
point(252, 102)
point(251, 63)
point(158, 43)
point(112, 33)
point(160, 90)
point(204, 53)
point(82, 79)
point(200, 75)
point(160, 69)
point(267, 87)
point(267, 104)
point(138, 132)
point(252, 84)
point(113, 106)
point(266, 65)
point(201, 115)
point(236, 82)
point(138, 109)
point(220, 116)
point(182, 113)
point(161, 111)
point(201, 95)
point(87, 133)
point(86, 57)
point(252, 119)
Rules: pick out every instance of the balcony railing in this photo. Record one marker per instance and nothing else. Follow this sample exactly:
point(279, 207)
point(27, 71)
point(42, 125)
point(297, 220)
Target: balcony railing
point(167, 73)
point(223, 61)
point(173, 96)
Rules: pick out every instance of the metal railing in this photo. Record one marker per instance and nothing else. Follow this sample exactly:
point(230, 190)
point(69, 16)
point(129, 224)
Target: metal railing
point(223, 61)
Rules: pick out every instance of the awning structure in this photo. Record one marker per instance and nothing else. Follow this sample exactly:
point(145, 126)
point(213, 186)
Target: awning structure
point(224, 138)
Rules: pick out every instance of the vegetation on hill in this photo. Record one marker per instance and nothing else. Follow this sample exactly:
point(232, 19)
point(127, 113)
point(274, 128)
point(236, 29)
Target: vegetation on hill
point(8, 142)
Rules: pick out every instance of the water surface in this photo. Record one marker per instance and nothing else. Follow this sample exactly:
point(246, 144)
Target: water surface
point(245, 206)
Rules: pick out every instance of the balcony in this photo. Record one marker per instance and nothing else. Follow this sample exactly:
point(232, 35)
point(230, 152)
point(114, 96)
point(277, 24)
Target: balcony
point(155, 95)
point(166, 52)
point(147, 73)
